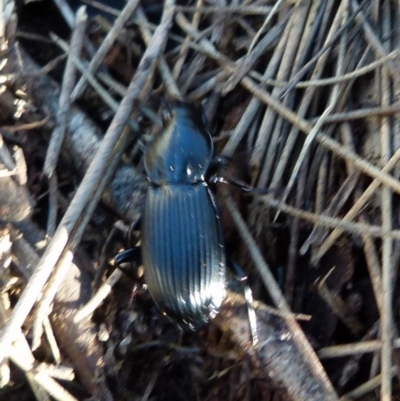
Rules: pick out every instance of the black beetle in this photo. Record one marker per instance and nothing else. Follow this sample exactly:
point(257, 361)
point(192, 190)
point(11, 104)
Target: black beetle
point(183, 251)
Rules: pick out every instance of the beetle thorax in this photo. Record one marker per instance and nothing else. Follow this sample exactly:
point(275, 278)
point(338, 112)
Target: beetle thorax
point(181, 153)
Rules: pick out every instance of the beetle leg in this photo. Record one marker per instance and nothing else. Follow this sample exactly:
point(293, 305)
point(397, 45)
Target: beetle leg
point(217, 173)
point(218, 165)
point(248, 295)
point(240, 185)
point(225, 180)
point(130, 255)
point(137, 226)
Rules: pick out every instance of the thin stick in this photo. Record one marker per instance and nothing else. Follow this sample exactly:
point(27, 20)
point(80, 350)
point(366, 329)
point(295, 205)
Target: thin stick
point(269, 133)
point(329, 143)
point(41, 377)
point(51, 339)
point(151, 384)
point(267, 20)
point(366, 387)
point(355, 209)
point(242, 10)
point(58, 371)
point(332, 104)
point(21, 355)
point(246, 63)
point(307, 98)
point(323, 139)
point(373, 40)
point(107, 43)
point(63, 264)
point(296, 78)
point(66, 11)
point(373, 264)
point(53, 205)
point(99, 297)
point(361, 114)
point(358, 72)
point(310, 358)
point(328, 221)
point(339, 307)
point(102, 7)
point(65, 257)
point(107, 98)
point(68, 83)
point(184, 48)
point(102, 92)
point(40, 71)
point(386, 328)
point(255, 104)
point(25, 127)
point(363, 347)
point(320, 199)
point(335, 205)
point(166, 74)
point(88, 185)
point(294, 236)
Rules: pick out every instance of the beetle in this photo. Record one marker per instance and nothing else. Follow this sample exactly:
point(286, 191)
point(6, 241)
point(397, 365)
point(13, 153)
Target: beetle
point(182, 245)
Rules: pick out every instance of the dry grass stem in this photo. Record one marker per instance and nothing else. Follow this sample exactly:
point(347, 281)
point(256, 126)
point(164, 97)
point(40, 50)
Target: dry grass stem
point(339, 308)
point(366, 387)
point(243, 10)
point(269, 281)
point(107, 43)
point(386, 139)
point(99, 297)
point(339, 351)
point(69, 78)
